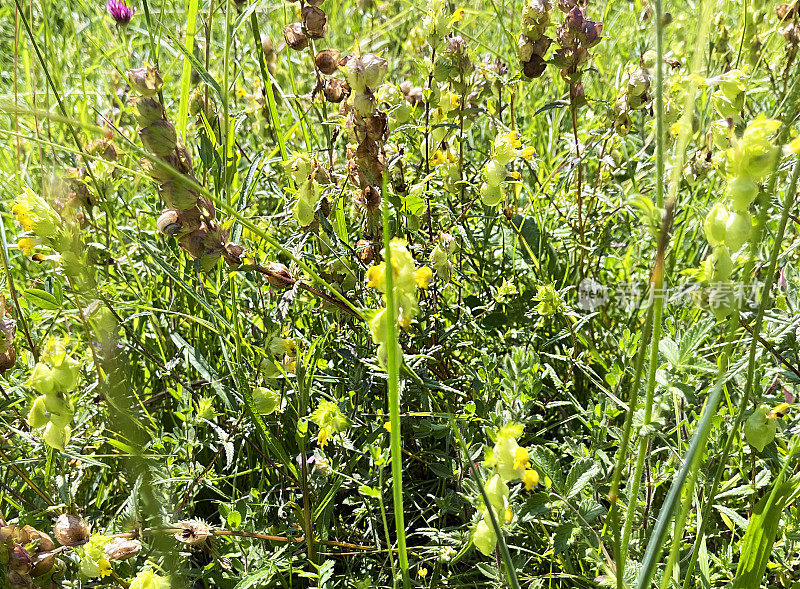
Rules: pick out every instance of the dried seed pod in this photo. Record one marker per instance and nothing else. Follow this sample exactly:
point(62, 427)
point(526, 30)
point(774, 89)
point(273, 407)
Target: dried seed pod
point(103, 148)
point(335, 90)
point(122, 548)
point(44, 542)
point(42, 563)
point(328, 61)
point(193, 532)
point(180, 222)
point(294, 36)
point(377, 126)
point(148, 110)
point(279, 276)
point(19, 559)
point(159, 138)
point(145, 80)
point(364, 251)
point(315, 2)
point(315, 22)
point(177, 195)
point(71, 530)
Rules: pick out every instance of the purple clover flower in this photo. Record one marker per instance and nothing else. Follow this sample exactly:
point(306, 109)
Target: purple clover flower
point(120, 12)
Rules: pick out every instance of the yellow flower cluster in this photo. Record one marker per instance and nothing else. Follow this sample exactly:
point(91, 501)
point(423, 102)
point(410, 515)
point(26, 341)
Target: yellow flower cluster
point(406, 279)
point(506, 148)
point(511, 462)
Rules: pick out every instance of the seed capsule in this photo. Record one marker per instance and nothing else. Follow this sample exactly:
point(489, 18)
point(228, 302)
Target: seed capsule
point(294, 36)
point(145, 80)
point(328, 61)
point(335, 90)
point(159, 138)
point(71, 530)
point(177, 195)
point(122, 548)
point(148, 110)
point(279, 276)
point(315, 22)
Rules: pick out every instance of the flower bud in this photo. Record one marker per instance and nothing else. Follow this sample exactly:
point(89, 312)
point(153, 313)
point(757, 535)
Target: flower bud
point(148, 110)
point(315, 22)
point(122, 548)
point(328, 61)
point(177, 195)
point(145, 80)
point(159, 138)
point(294, 36)
point(71, 530)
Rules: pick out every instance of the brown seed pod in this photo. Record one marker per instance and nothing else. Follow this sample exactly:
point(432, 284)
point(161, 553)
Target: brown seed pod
point(42, 563)
point(122, 548)
point(315, 21)
point(279, 276)
point(328, 61)
point(44, 542)
point(364, 251)
point(377, 126)
point(294, 36)
point(145, 80)
point(335, 90)
point(71, 530)
point(8, 359)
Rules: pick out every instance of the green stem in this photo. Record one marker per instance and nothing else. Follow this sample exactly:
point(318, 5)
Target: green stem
point(186, 76)
point(733, 433)
point(393, 359)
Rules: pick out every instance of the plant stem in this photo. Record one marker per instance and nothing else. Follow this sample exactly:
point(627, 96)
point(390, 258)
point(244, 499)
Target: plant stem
point(393, 359)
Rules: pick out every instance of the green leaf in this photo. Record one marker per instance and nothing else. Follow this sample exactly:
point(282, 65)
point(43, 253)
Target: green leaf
point(256, 578)
point(42, 299)
point(760, 535)
point(580, 475)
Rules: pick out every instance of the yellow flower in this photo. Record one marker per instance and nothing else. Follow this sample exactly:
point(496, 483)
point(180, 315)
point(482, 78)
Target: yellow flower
point(104, 567)
point(509, 515)
point(423, 276)
point(531, 479)
point(437, 159)
point(375, 276)
point(516, 175)
point(388, 426)
point(423, 572)
point(528, 153)
point(521, 459)
point(26, 245)
point(794, 145)
point(458, 15)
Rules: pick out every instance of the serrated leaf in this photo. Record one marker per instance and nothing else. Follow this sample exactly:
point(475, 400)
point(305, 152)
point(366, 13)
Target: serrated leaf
point(563, 537)
point(669, 349)
point(580, 475)
point(546, 462)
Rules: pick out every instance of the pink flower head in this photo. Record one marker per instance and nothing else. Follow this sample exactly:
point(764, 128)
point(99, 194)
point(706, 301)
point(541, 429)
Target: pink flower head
point(120, 12)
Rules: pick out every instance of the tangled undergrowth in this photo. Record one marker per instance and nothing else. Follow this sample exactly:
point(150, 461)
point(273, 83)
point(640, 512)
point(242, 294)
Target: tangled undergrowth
point(377, 293)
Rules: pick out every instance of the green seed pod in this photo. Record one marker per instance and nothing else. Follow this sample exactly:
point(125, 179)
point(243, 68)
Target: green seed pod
point(491, 195)
point(148, 110)
point(375, 69)
point(741, 193)
point(42, 379)
point(145, 80)
point(159, 138)
point(57, 405)
point(484, 538)
point(737, 229)
point(720, 265)
point(266, 400)
point(57, 436)
point(37, 416)
point(715, 223)
point(177, 195)
point(495, 173)
point(497, 492)
point(759, 430)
